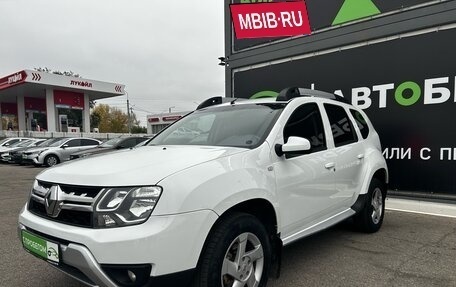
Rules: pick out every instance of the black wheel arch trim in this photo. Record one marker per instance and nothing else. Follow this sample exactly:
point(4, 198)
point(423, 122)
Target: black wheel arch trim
point(360, 203)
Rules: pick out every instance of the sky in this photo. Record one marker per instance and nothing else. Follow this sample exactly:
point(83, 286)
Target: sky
point(165, 52)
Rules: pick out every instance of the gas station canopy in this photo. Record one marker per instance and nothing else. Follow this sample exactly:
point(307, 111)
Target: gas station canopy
point(27, 92)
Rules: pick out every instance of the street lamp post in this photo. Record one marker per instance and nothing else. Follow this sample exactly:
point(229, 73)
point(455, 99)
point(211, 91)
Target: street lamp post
point(128, 113)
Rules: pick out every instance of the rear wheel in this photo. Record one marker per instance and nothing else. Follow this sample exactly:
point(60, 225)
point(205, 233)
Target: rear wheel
point(237, 254)
point(370, 218)
point(51, 160)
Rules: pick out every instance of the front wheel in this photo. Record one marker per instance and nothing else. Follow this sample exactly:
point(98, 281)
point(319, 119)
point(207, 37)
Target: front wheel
point(237, 254)
point(51, 160)
point(370, 218)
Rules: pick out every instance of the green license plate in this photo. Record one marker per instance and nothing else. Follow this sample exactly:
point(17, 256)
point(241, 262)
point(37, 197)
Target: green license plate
point(41, 247)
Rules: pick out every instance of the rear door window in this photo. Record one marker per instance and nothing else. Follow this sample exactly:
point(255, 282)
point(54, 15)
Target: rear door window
point(86, 142)
point(73, 143)
point(341, 126)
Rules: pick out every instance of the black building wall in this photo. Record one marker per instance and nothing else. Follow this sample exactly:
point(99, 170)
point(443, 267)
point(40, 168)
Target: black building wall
point(399, 67)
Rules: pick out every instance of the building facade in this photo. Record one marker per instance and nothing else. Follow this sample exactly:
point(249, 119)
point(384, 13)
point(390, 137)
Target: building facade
point(392, 58)
point(157, 122)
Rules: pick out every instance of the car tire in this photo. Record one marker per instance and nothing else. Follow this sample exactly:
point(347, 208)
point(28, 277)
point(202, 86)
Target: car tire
point(370, 218)
point(237, 249)
point(51, 160)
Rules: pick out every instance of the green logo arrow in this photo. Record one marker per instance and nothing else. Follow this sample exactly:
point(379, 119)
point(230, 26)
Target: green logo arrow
point(354, 10)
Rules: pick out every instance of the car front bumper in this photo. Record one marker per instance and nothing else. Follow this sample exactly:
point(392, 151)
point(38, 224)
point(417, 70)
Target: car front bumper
point(30, 159)
point(5, 157)
point(171, 245)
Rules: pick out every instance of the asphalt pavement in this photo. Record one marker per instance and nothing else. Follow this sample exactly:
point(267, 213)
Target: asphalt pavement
point(409, 250)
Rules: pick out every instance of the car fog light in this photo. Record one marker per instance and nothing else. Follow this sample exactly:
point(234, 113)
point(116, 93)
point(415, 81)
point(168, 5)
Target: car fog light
point(106, 220)
point(132, 276)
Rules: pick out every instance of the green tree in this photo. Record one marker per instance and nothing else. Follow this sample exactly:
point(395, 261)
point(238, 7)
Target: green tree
point(109, 119)
point(138, 130)
point(113, 120)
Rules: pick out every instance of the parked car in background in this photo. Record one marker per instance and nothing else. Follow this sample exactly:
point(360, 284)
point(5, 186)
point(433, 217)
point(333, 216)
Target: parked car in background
point(5, 156)
point(59, 151)
point(17, 156)
point(6, 143)
point(110, 145)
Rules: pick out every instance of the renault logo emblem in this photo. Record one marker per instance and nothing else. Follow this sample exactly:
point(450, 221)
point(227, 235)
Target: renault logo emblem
point(51, 201)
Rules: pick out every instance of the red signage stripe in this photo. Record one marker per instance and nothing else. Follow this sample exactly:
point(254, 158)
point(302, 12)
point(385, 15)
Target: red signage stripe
point(12, 80)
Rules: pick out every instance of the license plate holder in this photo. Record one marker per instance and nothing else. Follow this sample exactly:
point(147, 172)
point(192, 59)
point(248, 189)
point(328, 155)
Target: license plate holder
point(41, 247)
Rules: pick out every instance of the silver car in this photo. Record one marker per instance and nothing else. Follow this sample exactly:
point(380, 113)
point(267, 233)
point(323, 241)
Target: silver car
point(59, 151)
point(6, 144)
point(5, 156)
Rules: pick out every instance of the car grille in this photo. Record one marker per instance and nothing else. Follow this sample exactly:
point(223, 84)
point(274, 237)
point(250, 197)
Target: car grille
point(68, 204)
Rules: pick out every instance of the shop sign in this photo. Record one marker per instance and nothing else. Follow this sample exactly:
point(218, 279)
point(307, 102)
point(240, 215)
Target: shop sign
point(171, 118)
point(81, 84)
point(333, 13)
point(153, 120)
point(270, 19)
point(12, 80)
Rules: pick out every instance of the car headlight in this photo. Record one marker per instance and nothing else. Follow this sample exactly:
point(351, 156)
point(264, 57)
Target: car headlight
point(39, 152)
point(124, 206)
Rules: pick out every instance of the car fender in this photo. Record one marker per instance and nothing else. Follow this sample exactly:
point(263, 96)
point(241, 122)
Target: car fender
point(219, 184)
point(374, 162)
point(46, 153)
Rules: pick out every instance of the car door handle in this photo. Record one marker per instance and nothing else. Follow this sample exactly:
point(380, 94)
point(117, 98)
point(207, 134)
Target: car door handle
point(330, 165)
point(360, 156)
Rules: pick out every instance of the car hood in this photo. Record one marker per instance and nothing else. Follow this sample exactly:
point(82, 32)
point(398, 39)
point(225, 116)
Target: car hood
point(36, 149)
point(16, 149)
point(5, 149)
point(134, 167)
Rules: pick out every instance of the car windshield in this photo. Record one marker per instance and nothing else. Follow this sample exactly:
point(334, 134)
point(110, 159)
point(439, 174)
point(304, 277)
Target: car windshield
point(17, 143)
point(110, 143)
point(58, 143)
point(25, 143)
point(3, 141)
point(245, 125)
point(48, 142)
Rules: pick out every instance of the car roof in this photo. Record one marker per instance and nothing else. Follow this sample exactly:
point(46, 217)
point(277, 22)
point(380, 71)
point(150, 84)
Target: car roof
point(284, 97)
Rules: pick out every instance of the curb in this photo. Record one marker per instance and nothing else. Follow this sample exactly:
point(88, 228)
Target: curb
point(421, 207)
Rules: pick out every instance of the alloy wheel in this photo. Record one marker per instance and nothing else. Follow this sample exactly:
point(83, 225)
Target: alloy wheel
point(377, 204)
point(243, 262)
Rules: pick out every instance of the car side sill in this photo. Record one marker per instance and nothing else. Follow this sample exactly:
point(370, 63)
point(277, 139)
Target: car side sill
point(319, 226)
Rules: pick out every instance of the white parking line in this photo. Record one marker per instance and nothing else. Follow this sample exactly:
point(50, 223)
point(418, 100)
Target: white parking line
point(421, 207)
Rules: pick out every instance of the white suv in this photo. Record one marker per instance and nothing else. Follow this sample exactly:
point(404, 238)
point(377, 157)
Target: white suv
point(211, 207)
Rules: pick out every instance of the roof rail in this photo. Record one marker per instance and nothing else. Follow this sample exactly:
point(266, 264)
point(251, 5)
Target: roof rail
point(217, 101)
point(295, 92)
point(214, 101)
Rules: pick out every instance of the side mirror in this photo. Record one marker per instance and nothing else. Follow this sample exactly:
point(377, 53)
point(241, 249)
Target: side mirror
point(65, 146)
point(7, 144)
point(294, 144)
